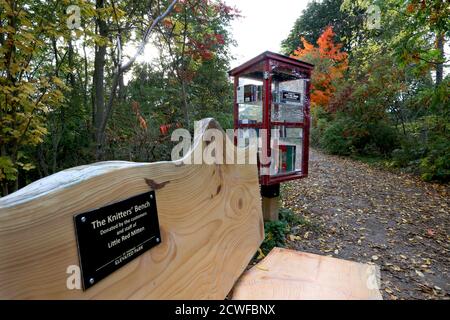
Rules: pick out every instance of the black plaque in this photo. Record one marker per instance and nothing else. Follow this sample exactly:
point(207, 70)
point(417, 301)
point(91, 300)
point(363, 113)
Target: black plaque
point(290, 96)
point(111, 236)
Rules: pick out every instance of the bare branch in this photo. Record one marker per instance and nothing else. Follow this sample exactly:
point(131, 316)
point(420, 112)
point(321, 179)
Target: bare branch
point(144, 41)
point(125, 67)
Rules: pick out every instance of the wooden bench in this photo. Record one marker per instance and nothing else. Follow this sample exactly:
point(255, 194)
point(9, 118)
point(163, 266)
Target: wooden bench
point(210, 225)
point(288, 274)
point(209, 216)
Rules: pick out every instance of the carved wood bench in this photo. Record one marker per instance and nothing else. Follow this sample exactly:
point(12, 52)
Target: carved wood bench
point(210, 225)
point(175, 231)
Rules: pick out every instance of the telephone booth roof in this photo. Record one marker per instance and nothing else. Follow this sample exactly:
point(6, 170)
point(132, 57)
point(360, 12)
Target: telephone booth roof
point(272, 56)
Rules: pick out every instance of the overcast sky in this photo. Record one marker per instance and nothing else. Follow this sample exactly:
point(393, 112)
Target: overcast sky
point(265, 23)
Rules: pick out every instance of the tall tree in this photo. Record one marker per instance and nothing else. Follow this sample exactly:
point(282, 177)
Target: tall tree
point(317, 16)
point(435, 16)
point(330, 64)
point(195, 34)
point(63, 95)
point(30, 86)
point(103, 107)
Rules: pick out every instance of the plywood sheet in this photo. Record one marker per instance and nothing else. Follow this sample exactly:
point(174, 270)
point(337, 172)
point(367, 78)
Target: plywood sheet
point(210, 220)
point(289, 274)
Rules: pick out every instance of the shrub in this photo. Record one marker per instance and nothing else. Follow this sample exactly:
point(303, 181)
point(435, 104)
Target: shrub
point(275, 235)
point(346, 135)
point(319, 122)
point(384, 137)
point(408, 155)
point(426, 150)
point(436, 164)
point(276, 231)
point(335, 139)
point(290, 217)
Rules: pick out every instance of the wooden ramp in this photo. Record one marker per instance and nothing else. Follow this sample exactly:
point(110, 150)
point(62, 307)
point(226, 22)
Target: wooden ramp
point(209, 215)
point(294, 275)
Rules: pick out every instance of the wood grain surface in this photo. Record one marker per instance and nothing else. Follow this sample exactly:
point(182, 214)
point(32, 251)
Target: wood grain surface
point(295, 275)
point(210, 220)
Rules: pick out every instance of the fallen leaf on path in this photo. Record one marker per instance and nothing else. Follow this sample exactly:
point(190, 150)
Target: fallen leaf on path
point(261, 268)
point(261, 254)
point(420, 274)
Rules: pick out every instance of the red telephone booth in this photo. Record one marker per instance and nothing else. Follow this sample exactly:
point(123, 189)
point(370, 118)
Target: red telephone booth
point(272, 96)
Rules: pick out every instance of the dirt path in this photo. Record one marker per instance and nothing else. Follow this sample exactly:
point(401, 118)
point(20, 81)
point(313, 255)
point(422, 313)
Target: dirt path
point(356, 212)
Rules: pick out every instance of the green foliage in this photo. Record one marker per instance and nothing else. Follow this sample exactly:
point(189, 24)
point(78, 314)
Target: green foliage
point(30, 86)
point(49, 114)
point(313, 21)
point(8, 170)
point(384, 138)
point(277, 231)
point(387, 106)
point(388, 98)
point(345, 135)
point(275, 235)
point(292, 219)
point(209, 94)
point(426, 149)
point(436, 164)
point(185, 83)
point(320, 121)
point(335, 139)
point(194, 49)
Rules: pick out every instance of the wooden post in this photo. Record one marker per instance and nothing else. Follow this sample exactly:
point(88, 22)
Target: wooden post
point(270, 201)
point(270, 208)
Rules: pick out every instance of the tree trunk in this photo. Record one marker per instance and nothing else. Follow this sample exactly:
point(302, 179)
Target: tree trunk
point(5, 190)
point(185, 102)
point(440, 65)
point(121, 88)
point(101, 118)
point(42, 165)
point(86, 76)
point(15, 184)
point(98, 83)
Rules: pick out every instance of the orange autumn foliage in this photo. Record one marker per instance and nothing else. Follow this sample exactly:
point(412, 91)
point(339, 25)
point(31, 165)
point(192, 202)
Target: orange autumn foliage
point(136, 109)
point(330, 64)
